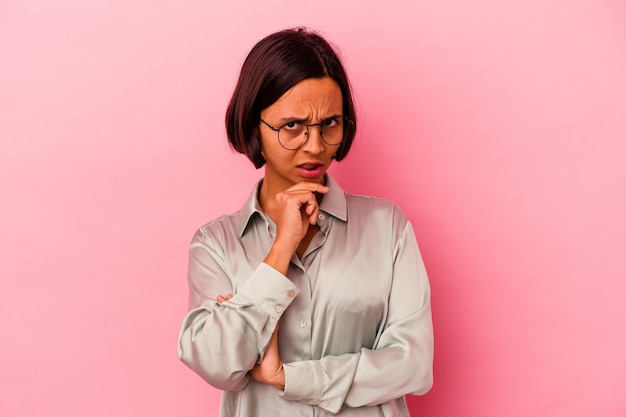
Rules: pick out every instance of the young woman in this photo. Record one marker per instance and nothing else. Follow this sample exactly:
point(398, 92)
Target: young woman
point(309, 301)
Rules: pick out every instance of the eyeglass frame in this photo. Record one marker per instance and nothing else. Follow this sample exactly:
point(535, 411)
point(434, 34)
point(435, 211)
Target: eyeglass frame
point(345, 119)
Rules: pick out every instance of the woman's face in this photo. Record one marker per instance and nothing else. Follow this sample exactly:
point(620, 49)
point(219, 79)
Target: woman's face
point(314, 100)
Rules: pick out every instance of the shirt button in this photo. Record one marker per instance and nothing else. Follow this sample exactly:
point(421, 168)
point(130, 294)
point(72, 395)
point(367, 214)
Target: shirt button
point(302, 323)
point(320, 216)
point(279, 309)
point(291, 293)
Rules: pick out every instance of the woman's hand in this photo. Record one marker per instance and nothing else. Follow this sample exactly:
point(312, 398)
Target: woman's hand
point(270, 370)
point(295, 209)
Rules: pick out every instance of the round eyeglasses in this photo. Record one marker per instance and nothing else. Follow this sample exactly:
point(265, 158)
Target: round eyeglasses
point(293, 135)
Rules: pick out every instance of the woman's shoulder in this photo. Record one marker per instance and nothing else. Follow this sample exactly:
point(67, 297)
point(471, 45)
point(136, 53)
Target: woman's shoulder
point(219, 229)
point(367, 203)
point(370, 208)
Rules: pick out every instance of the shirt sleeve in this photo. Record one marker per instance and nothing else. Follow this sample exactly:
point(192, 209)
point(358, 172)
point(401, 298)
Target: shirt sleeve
point(399, 364)
point(222, 341)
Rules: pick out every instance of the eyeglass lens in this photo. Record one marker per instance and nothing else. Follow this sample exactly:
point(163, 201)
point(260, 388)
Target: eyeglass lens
point(295, 134)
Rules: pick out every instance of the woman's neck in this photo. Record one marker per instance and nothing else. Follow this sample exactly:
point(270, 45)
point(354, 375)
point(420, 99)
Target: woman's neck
point(267, 198)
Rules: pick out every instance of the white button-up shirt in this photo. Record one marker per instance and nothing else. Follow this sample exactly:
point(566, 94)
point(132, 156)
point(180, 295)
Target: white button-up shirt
point(355, 330)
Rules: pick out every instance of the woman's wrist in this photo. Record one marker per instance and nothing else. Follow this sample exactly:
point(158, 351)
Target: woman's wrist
point(279, 257)
point(280, 382)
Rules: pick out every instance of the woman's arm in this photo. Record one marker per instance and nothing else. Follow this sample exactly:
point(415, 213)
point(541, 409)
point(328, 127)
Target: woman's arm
point(222, 341)
point(399, 364)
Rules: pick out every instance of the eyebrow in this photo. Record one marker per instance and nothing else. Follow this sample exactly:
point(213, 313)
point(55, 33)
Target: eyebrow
point(284, 120)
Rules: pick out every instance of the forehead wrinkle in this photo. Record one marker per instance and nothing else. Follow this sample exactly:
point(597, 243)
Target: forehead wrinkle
point(305, 101)
point(307, 107)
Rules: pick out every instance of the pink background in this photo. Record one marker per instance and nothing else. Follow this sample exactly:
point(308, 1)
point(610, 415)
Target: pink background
point(499, 127)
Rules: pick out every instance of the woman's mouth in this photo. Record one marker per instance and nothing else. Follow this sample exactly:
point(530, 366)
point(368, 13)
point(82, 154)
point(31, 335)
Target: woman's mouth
point(311, 170)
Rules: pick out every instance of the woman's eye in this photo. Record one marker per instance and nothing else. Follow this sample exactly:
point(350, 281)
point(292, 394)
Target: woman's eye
point(330, 123)
point(292, 125)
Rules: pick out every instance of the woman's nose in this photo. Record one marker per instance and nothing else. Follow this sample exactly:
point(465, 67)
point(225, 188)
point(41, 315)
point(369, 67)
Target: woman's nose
point(314, 143)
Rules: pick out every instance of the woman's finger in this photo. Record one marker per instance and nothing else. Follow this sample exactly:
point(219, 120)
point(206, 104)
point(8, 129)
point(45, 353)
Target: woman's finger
point(221, 299)
point(308, 186)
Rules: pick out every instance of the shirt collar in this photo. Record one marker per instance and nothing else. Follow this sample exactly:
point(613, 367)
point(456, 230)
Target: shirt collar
point(333, 203)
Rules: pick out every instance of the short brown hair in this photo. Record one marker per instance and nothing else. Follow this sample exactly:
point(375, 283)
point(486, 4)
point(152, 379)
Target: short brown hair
point(273, 66)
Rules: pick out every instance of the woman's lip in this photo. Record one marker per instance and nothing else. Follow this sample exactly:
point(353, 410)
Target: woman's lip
point(309, 165)
point(311, 170)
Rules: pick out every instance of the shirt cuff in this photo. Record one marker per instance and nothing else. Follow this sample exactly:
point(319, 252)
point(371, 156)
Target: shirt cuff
point(269, 290)
point(303, 382)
